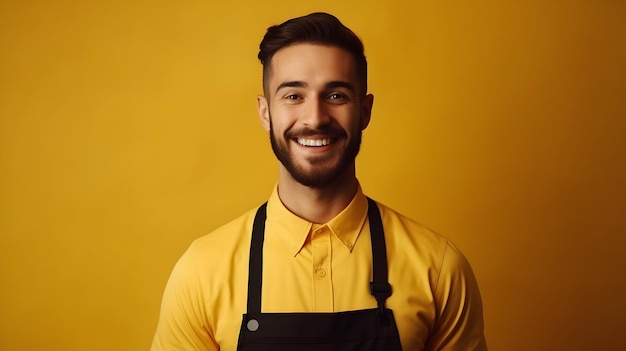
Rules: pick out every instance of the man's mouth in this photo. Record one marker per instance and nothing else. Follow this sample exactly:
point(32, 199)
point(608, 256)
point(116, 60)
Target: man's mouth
point(314, 142)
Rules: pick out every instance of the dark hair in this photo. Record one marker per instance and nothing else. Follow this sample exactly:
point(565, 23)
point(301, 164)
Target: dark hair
point(318, 28)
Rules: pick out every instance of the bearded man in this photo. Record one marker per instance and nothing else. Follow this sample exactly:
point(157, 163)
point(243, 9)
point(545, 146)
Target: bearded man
point(319, 266)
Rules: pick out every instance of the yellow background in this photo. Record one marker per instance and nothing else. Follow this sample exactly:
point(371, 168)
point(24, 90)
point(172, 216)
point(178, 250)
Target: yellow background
point(128, 128)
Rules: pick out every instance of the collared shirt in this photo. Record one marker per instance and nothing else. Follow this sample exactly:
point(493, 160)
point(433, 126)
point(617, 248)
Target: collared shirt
point(326, 267)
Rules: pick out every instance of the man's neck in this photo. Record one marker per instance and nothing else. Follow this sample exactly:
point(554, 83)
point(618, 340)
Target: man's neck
point(316, 205)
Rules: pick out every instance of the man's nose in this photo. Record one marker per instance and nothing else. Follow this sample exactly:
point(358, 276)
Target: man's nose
point(316, 114)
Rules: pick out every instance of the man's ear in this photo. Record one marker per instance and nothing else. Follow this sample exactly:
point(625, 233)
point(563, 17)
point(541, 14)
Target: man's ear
point(264, 111)
point(368, 103)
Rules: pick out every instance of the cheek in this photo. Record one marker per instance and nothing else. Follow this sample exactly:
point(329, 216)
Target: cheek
point(351, 121)
point(277, 127)
point(282, 118)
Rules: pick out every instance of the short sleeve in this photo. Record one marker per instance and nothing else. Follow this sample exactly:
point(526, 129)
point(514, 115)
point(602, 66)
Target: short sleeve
point(459, 313)
point(183, 324)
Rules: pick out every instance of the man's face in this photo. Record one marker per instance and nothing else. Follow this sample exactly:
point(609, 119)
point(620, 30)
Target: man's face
point(314, 112)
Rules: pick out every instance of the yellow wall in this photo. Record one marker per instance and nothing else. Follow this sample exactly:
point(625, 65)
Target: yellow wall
point(128, 128)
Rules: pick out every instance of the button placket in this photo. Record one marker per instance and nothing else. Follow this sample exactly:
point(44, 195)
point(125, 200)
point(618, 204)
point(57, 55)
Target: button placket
point(322, 282)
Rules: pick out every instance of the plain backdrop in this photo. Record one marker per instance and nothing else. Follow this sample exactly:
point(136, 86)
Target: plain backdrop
point(129, 128)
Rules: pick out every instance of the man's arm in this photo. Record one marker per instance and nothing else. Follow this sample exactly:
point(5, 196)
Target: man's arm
point(183, 323)
point(459, 322)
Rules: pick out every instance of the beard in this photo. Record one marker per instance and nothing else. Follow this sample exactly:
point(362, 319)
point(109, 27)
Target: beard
point(320, 174)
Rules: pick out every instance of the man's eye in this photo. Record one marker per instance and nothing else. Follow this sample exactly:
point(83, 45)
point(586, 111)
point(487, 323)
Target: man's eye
point(335, 96)
point(292, 97)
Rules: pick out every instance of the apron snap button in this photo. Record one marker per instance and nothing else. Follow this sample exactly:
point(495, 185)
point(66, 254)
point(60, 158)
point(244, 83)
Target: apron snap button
point(253, 325)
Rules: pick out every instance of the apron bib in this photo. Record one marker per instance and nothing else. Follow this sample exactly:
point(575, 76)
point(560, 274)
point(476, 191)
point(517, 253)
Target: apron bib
point(371, 329)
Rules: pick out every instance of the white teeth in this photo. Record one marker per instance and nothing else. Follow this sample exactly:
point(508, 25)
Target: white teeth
point(313, 142)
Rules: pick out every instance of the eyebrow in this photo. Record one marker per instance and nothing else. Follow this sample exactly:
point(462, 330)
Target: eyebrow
point(291, 84)
point(340, 84)
point(329, 85)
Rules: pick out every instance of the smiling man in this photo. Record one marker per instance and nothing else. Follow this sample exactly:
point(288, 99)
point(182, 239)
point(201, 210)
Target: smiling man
point(319, 120)
point(319, 266)
point(315, 110)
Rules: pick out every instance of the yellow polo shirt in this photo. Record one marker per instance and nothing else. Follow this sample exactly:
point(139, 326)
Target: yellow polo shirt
point(322, 268)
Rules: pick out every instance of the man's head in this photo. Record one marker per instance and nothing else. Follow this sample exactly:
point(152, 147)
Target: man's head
point(315, 104)
point(316, 28)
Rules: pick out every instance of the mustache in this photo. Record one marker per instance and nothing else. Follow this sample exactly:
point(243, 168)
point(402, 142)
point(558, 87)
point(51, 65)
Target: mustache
point(307, 132)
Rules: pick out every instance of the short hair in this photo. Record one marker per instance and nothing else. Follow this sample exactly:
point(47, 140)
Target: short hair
point(317, 28)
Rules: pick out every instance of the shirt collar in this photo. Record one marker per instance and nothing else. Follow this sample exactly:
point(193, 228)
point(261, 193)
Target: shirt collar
point(294, 230)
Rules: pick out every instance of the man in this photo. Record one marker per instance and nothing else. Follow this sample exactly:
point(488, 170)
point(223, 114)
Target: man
point(319, 266)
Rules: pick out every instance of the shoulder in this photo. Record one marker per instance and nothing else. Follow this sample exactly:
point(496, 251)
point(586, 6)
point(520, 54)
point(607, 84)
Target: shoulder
point(426, 265)
point(412, 244)
point(229, 240)
point(213, 263)
point(206, 276)
point(409, 233)
point(227, 234)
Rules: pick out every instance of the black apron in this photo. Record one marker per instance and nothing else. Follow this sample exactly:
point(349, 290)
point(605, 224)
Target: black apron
point(370, 329)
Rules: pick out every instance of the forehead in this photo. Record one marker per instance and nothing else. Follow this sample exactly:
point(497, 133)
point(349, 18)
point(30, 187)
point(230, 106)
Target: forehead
point(312, 63)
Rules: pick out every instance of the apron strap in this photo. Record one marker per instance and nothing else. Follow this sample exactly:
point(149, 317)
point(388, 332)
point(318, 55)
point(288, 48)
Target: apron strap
point(255, 267)
point(379, 287)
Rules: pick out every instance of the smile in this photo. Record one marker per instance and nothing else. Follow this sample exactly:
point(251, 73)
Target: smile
point(314, 142)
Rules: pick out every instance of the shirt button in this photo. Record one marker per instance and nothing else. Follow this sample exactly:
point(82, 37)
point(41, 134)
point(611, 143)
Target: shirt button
point(321, 273)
